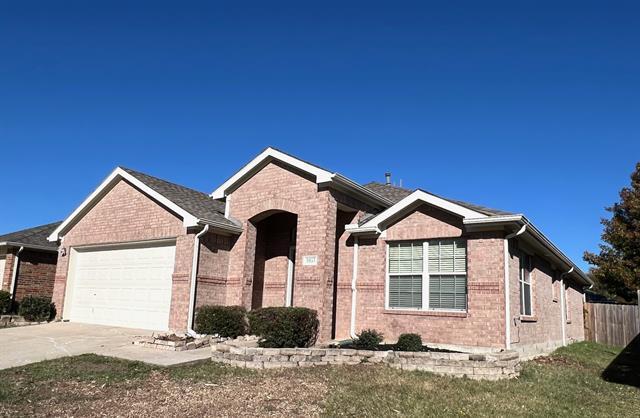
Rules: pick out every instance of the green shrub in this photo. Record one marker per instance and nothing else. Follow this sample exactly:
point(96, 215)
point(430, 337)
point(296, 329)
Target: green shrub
point(284, 326)
point(409, 342)
point(5, 302)
point(369, 339)
point(226, 321)
point(36, 309)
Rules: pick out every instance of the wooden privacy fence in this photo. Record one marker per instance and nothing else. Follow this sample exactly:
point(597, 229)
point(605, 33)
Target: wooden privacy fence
point(611, 324)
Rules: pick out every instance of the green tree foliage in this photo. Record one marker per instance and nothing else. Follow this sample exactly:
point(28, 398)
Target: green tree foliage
point(617, 267)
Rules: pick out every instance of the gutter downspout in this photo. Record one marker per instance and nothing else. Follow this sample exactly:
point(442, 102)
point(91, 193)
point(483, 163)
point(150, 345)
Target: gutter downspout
point(354, 290)
point(14, 274)
point(194, 274)
point(507, 290)
point(563, 308)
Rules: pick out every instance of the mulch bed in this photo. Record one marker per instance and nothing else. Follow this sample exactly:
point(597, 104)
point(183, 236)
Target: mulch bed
point(392, 347)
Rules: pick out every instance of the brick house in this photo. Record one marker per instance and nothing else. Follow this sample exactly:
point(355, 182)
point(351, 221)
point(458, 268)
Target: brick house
point(28, 262)
point(282, 231)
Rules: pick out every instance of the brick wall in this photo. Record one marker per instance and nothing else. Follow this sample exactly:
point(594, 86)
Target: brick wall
point(482, 324)
point(36, 273)
point(212, 269)
point(8, 271)
point(274, 188)
point(575, 318)
point(125, 214)
point(543, 331)
point(545, 325)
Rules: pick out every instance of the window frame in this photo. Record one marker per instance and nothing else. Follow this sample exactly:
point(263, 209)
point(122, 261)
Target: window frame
point(526, 265)
point(567, 310)
point(426, 276)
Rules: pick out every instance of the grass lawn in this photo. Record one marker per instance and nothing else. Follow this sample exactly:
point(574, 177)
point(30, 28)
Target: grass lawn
point(565, 384)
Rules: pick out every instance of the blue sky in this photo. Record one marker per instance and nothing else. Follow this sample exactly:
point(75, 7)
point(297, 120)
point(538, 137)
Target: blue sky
point(532, 108)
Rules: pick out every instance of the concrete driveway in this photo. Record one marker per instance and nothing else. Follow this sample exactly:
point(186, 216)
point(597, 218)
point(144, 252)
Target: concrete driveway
point(31, 344)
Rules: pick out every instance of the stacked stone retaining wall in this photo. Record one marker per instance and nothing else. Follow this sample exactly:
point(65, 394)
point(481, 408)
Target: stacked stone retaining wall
point(488, 366)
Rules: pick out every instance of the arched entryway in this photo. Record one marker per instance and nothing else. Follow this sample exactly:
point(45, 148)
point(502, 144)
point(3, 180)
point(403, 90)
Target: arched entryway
point(274, 265)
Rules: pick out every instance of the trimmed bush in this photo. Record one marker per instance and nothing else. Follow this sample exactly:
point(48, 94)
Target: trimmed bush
point(409, 342)
point(226, 321)
point(36, 309)
point(5, 302)
point(369, 339)
point(282, 327)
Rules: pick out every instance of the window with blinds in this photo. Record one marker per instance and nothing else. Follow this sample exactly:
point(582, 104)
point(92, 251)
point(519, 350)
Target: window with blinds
point(405, 275)
point(441, 277)
point(525, 285)
point(448, 275)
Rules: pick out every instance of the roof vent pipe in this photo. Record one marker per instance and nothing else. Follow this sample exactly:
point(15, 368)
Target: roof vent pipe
point(387, 178)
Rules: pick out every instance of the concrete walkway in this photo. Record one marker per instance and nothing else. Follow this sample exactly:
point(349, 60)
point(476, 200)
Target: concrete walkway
point(31, 344)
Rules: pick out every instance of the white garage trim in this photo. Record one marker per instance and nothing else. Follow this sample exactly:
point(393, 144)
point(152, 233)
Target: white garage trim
point(126, 285)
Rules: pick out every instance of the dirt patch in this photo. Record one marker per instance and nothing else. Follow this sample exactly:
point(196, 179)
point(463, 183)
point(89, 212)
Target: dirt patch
point(276, 394)
point(556, 361)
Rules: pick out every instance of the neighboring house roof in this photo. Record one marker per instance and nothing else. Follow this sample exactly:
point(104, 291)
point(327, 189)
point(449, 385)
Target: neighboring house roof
point(35, 238)
point(194, 207)
point(321, 176)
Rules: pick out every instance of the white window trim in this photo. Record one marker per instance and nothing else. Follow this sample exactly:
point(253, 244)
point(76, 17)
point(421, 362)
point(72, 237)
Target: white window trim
point(425, 281)
point(521, 283)
point(567, 310)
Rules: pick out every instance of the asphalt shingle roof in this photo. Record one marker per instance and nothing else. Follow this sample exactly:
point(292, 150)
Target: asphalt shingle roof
point(33, 236)
point(395, 194)
point(198, 204)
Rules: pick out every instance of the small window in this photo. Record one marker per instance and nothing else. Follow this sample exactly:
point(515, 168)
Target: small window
point(526, 308)
point(405, 275)
point(567, 292)
point(555, 284)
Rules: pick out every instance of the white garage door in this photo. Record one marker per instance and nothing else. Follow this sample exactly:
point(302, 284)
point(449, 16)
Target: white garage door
point(122, 286)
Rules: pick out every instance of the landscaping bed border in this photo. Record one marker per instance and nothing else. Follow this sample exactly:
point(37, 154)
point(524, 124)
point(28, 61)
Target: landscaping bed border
point(164, 342)
point(485, 366)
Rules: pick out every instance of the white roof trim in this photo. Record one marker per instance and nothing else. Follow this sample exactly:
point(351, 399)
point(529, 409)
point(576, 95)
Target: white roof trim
point(117, 174)
point(533, 231)
point(417, 196)
point(322, 176)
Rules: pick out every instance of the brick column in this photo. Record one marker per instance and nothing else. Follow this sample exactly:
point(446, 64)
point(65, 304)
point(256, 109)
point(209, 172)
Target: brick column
point(240, 273)
point(329, 272)
point(181, 282)
point(8, 271)
point(313, 284)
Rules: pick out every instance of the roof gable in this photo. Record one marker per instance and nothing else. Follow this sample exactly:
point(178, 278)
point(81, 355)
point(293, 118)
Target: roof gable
point(320, 176)
point(265, 157)
point(396, 193)
point(192, 206)
point(409, 204)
